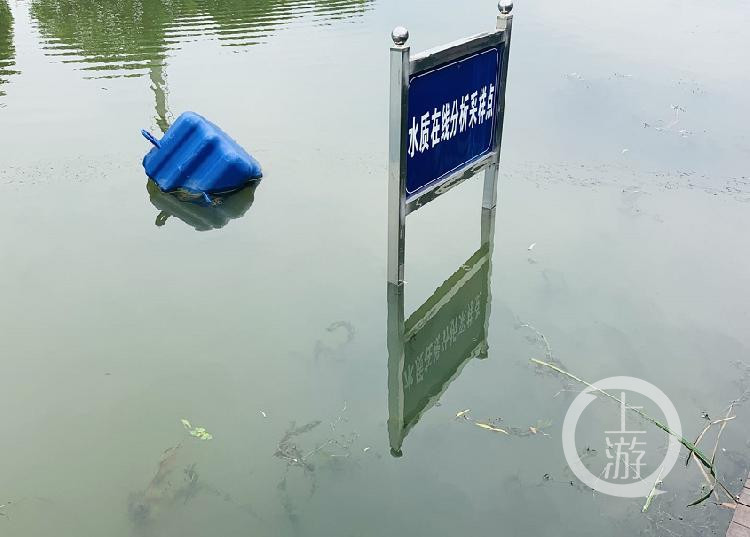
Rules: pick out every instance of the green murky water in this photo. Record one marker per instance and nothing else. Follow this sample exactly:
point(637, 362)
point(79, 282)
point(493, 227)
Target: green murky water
point(265, 320)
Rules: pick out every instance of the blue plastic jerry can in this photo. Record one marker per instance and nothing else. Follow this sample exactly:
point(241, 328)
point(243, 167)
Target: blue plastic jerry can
point(197, 156)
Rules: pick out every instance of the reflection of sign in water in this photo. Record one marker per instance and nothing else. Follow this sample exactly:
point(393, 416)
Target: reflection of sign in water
point(438, 339)
point(443, 334)
point(452, 115)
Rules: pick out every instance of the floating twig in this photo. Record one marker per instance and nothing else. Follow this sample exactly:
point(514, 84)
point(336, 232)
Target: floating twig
point(491, 427)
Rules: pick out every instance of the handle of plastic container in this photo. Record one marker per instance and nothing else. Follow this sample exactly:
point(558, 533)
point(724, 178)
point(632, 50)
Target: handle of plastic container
point(150, 137)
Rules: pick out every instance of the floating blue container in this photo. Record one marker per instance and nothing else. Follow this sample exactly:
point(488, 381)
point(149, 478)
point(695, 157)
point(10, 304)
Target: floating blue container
point(197, 156)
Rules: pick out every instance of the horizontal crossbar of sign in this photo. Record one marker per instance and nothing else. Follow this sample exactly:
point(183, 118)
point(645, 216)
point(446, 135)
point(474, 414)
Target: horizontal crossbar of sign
point(447, 183)
point(437, 56)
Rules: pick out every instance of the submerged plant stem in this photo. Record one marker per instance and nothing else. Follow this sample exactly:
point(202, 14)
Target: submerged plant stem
point(651, 494)
point(697, 453)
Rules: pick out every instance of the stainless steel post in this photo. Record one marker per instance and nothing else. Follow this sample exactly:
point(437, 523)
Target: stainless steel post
point(397, 155)
point(504, 23)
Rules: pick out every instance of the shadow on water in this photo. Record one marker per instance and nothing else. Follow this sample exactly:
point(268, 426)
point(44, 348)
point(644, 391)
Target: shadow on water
point(7, 50)
point(198, 214)
point(133, 38)
point(428, 351)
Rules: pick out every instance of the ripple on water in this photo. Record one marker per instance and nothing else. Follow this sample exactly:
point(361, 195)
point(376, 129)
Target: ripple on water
point(135, 38)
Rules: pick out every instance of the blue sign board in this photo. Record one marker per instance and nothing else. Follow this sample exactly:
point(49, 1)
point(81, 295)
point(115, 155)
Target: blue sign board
point(452, 116)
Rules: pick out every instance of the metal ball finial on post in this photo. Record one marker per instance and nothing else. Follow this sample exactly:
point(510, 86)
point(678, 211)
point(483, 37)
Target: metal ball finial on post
point(400, 36)
point(505, 6)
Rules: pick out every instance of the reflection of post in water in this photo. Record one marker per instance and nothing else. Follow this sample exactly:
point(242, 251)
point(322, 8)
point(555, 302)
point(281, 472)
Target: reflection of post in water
point(7, 50)
point(198, 214)
point(430, 348)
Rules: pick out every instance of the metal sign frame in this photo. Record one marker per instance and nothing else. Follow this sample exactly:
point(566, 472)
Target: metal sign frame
point(403, 67)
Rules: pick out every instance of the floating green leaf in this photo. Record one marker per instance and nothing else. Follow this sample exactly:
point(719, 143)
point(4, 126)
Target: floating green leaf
point(198, 432)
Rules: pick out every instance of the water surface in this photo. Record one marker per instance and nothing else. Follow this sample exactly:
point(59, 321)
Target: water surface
point(265, 319)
